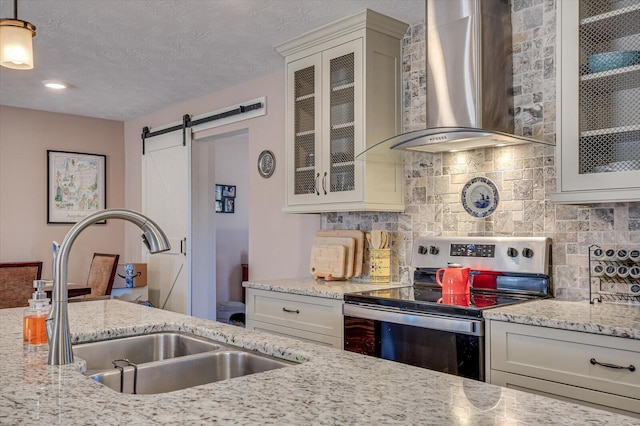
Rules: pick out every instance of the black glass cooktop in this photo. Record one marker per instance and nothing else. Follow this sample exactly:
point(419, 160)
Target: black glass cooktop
point(428, 299)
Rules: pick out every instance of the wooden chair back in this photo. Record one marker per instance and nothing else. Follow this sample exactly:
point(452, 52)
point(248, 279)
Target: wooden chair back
point(102, 273)
point(16, 283)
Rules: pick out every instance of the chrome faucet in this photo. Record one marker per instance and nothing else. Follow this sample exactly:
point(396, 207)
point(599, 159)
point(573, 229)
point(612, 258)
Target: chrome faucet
point(58, 321)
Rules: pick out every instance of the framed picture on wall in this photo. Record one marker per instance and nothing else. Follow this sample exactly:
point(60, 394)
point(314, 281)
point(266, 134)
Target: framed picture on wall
point(225, 198)
point(229, 205)
point(76, 185)
point(229, 191)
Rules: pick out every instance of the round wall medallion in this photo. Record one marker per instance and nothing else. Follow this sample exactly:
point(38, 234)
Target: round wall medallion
point(480, 197)
point(266, 163)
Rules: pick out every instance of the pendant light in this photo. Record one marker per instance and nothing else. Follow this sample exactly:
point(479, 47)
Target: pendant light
point(16, 44)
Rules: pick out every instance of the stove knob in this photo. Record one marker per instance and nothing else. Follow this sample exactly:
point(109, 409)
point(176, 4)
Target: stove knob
point(434, 250)
point(422, 250)
point(527, 252)
point(512, 252)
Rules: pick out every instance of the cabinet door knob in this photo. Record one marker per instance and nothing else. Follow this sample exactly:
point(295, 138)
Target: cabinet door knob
point(297, 311)
point(631, 367)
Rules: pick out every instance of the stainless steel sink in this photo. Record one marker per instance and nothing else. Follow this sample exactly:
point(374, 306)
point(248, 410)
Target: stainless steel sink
point(141, 349)
point(181, 373)
point(166, 362)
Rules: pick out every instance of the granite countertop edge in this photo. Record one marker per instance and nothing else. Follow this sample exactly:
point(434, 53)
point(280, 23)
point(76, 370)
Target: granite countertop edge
point(609, 319)
point(308, 286)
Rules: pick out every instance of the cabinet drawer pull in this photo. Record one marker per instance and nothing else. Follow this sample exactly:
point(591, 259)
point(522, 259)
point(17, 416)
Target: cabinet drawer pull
point(631, 368)
point(297, 311)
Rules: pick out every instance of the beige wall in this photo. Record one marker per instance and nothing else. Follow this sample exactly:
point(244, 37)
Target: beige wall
point(25, 137)
point(279, 244)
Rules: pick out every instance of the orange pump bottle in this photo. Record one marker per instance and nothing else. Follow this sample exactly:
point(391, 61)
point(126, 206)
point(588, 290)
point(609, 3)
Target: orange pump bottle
point(35, 319)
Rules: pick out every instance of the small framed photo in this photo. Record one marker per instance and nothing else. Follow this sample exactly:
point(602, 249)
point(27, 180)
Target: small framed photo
point(225, 198)
point(229, 204)
point(229, 191)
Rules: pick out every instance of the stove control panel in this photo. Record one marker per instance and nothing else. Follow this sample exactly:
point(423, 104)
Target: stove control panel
point(473, 250)
point(527, 255)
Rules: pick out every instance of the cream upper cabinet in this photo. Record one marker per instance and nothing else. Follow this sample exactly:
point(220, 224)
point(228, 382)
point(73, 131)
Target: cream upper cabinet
point(343, 94)
point(598, 146)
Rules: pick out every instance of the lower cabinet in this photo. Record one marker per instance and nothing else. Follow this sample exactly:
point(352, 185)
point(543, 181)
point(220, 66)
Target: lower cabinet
point(597, 370)
point(310, 318)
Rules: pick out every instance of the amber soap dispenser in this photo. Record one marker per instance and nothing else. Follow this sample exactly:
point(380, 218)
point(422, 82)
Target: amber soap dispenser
point(35, 318)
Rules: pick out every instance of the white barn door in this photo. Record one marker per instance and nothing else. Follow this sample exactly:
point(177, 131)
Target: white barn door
point(166, 199)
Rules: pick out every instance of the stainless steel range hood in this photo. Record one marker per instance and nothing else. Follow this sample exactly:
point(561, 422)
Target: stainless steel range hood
point(469, 80)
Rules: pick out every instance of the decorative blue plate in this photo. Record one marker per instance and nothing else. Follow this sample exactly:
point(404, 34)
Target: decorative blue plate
point(480, 197)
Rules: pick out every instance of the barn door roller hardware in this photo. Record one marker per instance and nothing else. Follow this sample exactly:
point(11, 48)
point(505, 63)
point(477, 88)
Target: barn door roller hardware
point(187, 122)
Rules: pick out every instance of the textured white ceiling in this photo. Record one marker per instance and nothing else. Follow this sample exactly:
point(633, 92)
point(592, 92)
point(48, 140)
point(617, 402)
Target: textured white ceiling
point(127, 58)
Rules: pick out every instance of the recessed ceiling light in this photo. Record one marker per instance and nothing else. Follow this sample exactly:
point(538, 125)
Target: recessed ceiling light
point(55, 84)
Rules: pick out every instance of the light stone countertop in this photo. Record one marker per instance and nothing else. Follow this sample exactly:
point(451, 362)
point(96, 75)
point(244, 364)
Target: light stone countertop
point(329, 386)
point(611, 319)
point(307, 286)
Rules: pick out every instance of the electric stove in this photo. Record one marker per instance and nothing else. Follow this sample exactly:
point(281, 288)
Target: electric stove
point(416, 325)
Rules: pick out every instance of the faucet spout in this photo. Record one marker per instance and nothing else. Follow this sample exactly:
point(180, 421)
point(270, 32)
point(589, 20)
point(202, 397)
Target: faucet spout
point(58, 333)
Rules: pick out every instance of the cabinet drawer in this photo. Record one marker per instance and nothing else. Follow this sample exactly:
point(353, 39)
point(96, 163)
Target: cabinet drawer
point(307, 336)
point(563, 356)
point(308, 313)
point(574, 394)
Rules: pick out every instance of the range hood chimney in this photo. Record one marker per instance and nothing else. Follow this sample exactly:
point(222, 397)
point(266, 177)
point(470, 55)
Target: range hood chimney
point(469, 80)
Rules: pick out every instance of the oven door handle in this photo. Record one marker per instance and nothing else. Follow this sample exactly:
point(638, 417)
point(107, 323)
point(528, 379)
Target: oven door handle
point(454, 325)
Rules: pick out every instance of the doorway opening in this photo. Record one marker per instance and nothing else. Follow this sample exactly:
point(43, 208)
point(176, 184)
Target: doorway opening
point(220, 240)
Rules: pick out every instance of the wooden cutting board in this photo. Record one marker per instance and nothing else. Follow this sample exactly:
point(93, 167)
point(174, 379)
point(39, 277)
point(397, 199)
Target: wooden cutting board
point(350, 245)
point(328, 261)
point(358, 236)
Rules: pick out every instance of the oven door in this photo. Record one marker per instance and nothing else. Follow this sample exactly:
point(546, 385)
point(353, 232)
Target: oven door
point(445, 344)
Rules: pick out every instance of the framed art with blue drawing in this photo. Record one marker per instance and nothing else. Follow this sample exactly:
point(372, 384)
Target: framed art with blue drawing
point(76, 185)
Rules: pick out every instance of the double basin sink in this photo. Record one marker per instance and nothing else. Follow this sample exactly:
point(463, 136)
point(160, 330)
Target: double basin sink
point(168, 361)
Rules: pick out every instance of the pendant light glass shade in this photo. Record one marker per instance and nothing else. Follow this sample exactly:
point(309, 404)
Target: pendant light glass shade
point(16, 45)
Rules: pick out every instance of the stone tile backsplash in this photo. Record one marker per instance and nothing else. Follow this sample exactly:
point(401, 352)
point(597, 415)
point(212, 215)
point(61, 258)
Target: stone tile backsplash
point(524, 174)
